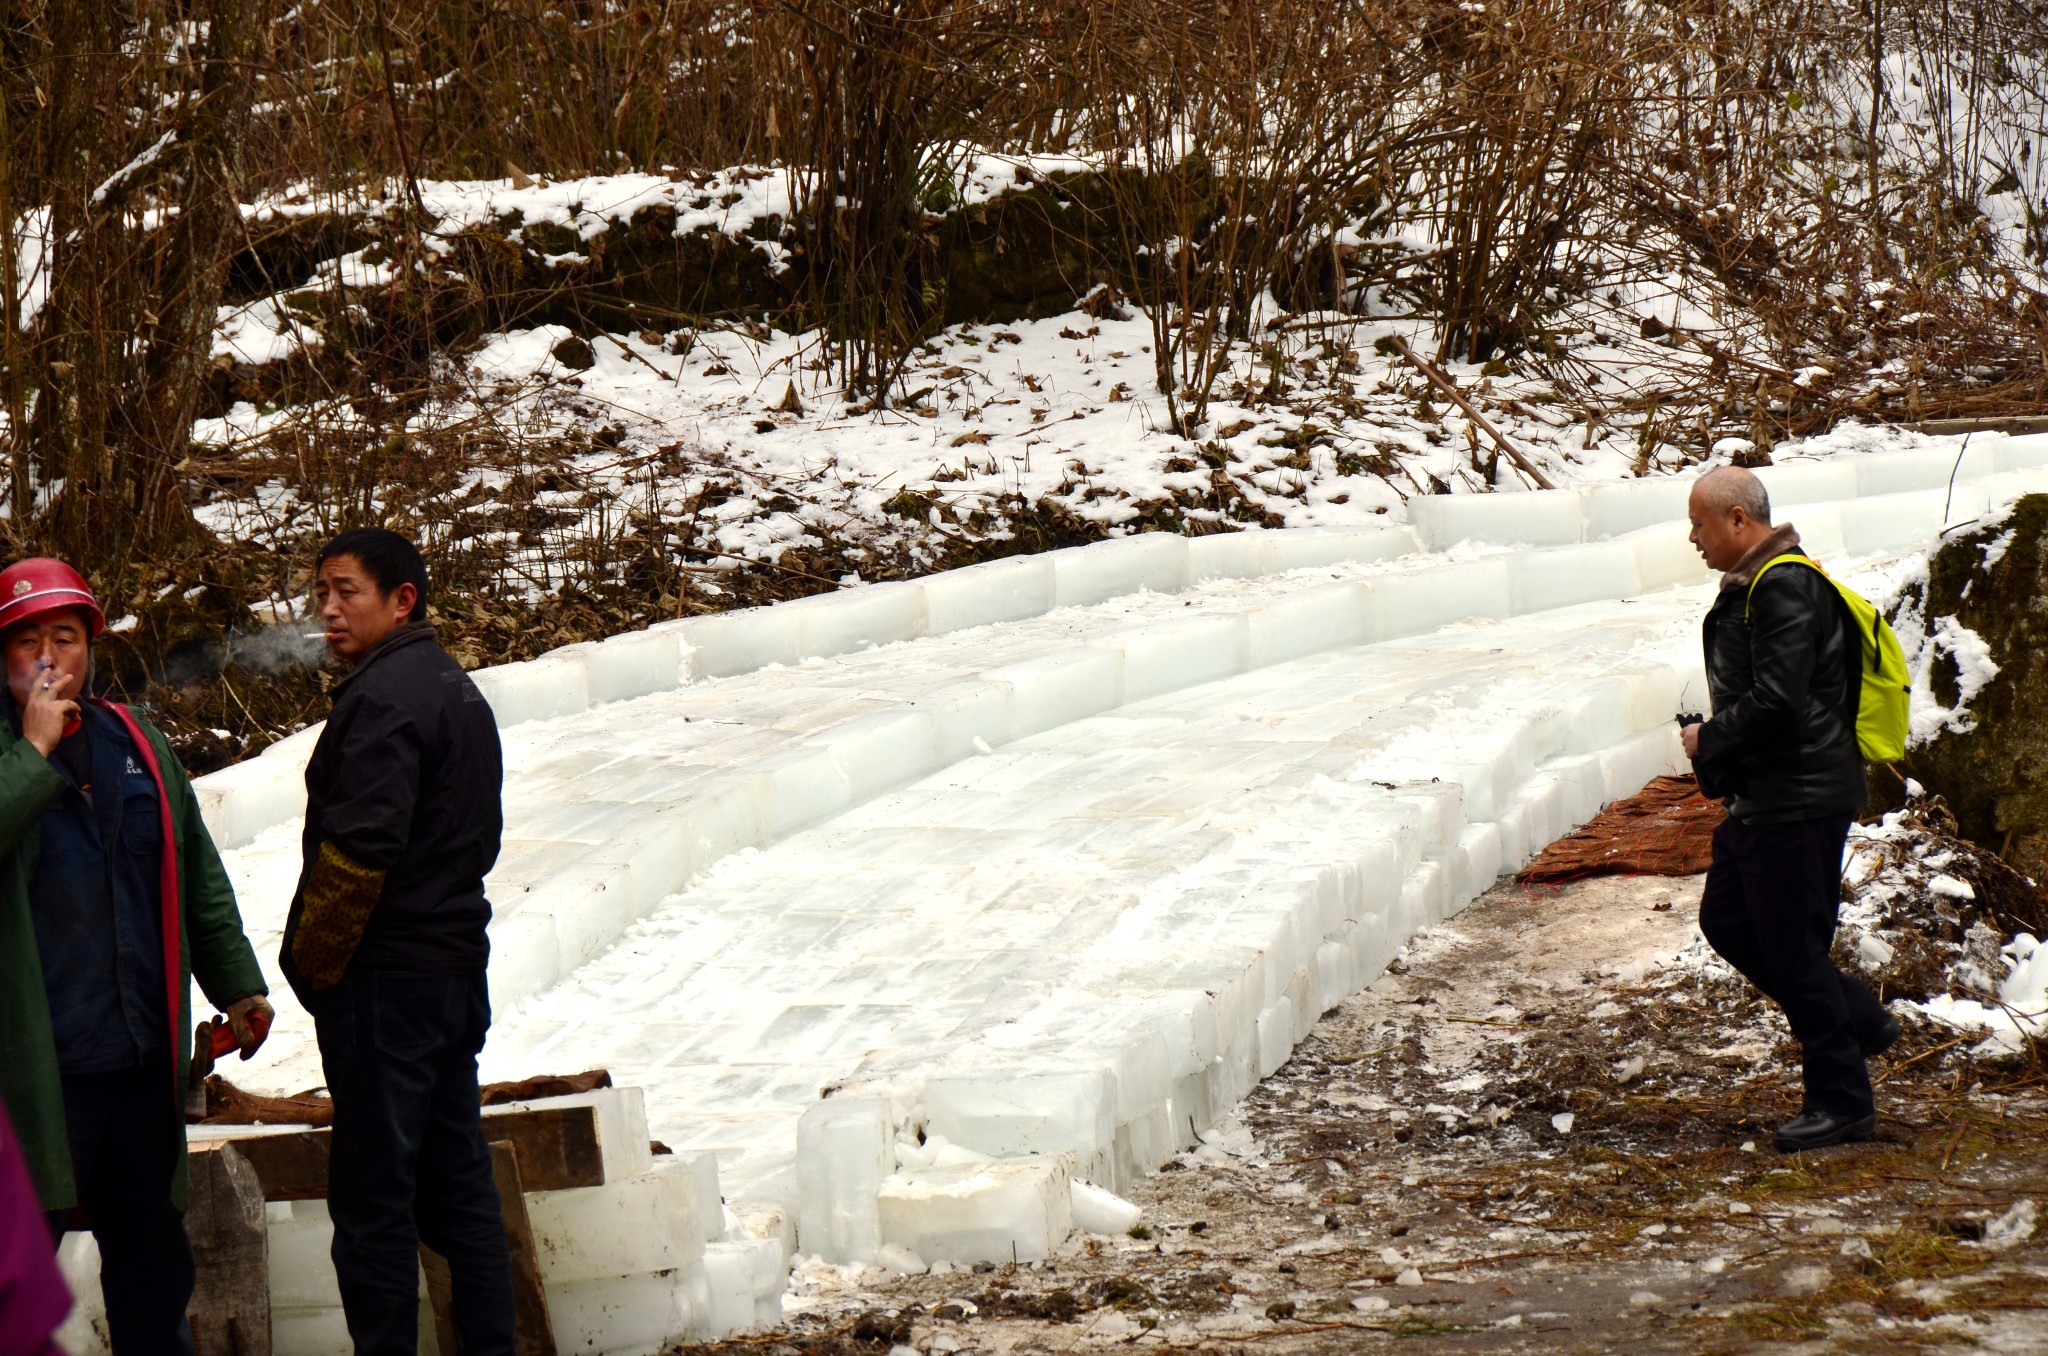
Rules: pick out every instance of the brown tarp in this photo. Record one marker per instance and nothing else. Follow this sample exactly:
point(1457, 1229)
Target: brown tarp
point(1666, 829)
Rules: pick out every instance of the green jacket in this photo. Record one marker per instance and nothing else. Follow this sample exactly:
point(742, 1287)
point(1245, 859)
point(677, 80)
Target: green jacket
point(211, 948)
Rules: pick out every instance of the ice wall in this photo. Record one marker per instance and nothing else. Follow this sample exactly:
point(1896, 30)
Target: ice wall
point(1038, 866)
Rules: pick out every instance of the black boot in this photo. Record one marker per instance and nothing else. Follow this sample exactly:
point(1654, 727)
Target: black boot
point(1882, 1039)
point(1818, 1129)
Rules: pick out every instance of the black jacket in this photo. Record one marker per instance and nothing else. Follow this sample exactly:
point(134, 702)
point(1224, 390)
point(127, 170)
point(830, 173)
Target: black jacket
point(1781, 746)
point(406, 780)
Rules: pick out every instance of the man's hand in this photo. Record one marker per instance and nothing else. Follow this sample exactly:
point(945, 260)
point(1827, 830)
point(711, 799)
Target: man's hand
point(249, 1018)
point(1689, 739)
point(48, 711)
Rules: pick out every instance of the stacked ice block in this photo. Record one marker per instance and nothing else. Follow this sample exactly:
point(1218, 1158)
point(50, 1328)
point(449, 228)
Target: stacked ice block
point(628, 1266)
point(1019, 863)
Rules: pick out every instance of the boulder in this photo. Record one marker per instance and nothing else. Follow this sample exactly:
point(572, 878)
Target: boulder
point(1993, 580)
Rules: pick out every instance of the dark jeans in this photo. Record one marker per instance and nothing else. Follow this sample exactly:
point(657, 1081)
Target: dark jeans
point(124, 1150)
point(408, 1161)
point(1769, 909)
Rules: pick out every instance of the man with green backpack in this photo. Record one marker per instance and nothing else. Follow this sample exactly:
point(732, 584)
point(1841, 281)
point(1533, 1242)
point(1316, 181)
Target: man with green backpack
point(1807, 682)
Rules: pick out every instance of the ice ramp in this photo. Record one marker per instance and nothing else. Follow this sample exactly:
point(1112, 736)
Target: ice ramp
point(1036, 885)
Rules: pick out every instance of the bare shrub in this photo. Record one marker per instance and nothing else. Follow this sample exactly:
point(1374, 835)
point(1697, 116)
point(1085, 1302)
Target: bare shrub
point(1238, 140)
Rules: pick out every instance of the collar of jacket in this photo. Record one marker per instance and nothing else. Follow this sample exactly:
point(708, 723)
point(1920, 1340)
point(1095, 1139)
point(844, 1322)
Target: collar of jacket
point(395, 639)
point(1782, 539)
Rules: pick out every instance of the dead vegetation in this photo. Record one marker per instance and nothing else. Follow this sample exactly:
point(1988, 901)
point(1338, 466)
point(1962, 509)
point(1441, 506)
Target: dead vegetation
point(1689, 223)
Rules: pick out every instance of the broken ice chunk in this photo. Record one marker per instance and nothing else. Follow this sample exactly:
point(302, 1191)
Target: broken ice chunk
point(1102, 1212)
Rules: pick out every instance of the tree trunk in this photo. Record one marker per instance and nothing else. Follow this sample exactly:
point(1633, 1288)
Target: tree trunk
point(145, 218)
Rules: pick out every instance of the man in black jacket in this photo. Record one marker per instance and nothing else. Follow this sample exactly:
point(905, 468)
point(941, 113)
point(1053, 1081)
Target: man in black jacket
point(385, 945)
point(1782, 670)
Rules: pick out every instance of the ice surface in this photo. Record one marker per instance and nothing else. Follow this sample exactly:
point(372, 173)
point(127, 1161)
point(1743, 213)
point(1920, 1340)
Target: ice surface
point(636, 1315)
point(857, 619)
point(1618, 509)
point(731, 643)
point(1820, 528)
point(1090, 574)
point(1892, 521)
point(556, 684)
point(1665, 557)
point(1305, 548)
point(1794, 483)
point(996, 591)
point(1012, 1112)
point(1102, 1212)
point(1423, 600)
point(1056, 889)
point(2021, 453)
point(1224, 555)
point(1165, 656)
point(629, 1226)
point(842, 1154)
point(1016, 1211)
point(636, 663)
point(1567, 575)
point(1890, 473)
point(1540, 518)
point(1320, 618)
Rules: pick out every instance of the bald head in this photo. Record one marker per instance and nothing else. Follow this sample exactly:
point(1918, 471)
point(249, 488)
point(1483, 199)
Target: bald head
point(1730, 487)
point(1730, 513)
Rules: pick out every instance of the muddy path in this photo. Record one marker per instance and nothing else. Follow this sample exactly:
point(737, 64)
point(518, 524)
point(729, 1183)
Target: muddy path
point(1548, 1129)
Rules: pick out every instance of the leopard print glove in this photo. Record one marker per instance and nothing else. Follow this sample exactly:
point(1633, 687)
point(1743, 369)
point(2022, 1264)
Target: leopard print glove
point(340, 895)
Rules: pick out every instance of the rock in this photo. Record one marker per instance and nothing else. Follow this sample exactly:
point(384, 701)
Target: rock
point(1805, 1280)
point(1994, 776)
point(575, 354)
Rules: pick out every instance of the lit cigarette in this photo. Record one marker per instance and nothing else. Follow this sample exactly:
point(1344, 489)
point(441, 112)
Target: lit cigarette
point(313, 635)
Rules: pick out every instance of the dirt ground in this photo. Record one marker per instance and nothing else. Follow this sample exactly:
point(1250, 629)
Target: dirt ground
point(1547, 1129)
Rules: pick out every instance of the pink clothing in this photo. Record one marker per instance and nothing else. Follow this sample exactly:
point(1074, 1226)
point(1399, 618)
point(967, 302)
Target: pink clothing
point(33, 1296)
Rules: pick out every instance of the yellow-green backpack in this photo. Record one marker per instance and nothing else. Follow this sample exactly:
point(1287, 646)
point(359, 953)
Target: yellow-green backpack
point(1881, 712)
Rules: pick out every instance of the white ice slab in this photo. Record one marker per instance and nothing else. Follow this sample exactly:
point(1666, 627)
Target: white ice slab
point(1018, 1211)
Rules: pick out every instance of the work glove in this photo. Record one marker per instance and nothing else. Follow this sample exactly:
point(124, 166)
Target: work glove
point(339, 897)
point(249, 1018)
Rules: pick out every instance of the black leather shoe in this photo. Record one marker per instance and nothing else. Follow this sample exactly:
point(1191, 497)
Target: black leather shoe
point(1818, 1129)
point(1884, 1038)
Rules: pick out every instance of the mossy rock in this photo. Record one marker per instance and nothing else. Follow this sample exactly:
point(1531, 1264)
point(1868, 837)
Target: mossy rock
point(1995, 775)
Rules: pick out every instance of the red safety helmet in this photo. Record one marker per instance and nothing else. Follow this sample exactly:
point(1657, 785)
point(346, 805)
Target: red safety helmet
point(41, 584)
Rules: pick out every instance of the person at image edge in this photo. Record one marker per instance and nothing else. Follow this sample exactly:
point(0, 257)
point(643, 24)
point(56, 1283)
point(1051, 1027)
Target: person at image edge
point(112, 900)
point(1781, 752)
point(385, 945)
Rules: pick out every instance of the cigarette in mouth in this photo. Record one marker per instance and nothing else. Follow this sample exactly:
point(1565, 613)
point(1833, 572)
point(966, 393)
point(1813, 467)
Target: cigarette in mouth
point(314, 635)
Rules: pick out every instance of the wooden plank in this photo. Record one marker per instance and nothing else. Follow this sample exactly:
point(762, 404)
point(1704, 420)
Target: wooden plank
point(2016, 425)
point(230, 1310)
point(557, 1146)
point(533, 1332)
point(535, 1335)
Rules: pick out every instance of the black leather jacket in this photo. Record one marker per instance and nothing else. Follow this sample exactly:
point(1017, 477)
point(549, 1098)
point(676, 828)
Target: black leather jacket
point(1781, 745)
point(406, 780)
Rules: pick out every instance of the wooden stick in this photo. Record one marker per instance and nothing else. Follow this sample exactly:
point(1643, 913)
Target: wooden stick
point(1444, 384)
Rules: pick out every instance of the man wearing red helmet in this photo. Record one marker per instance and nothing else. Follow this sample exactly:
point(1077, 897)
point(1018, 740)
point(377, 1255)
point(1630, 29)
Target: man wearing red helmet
point(112, 900)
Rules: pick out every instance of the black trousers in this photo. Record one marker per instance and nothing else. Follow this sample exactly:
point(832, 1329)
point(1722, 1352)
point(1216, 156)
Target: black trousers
point(1771, 899)
point(408, 1162)
point(125, 1140)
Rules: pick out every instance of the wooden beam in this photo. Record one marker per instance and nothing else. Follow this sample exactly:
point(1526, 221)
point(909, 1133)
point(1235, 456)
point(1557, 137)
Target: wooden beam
point(2013, 424)
point(534, 1332)
point(557, 1147)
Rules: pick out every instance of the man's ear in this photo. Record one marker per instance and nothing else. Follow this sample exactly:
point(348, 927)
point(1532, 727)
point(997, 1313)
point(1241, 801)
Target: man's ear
point(405, 598)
